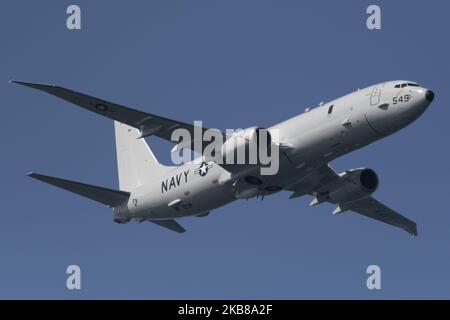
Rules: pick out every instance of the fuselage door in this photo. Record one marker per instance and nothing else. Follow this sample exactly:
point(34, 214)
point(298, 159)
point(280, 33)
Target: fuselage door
point(375, 97)
point(381, 110)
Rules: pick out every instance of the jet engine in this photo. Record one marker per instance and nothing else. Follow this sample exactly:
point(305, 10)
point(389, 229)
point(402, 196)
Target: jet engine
point(354, 184)
point(243, 147)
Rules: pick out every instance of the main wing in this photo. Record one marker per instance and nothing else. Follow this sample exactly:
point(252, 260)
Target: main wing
point(148, 124)
point(318, 182)
point(374, 209)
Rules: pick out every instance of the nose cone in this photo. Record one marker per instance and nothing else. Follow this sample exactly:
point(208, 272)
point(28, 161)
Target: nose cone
point(429, 95)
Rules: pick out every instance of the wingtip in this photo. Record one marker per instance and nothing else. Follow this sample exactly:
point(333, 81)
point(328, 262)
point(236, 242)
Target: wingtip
point(415, 233)
point(13, 81)
point(23, 83)
point(31, 174)
point(36, 85)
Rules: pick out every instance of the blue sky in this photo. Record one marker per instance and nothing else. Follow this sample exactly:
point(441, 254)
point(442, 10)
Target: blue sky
point(232, 64)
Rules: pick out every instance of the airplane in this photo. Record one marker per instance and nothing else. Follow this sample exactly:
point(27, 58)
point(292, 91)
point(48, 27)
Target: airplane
point(151, 191)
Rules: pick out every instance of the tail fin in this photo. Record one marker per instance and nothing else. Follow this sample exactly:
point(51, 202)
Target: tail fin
point(136, 163)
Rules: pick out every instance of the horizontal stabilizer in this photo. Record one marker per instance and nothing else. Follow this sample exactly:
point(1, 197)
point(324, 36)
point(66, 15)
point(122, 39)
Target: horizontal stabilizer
point(169, 224)
point(109, 197)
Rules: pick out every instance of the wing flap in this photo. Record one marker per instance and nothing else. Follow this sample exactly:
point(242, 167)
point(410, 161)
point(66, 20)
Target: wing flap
point(109, 197)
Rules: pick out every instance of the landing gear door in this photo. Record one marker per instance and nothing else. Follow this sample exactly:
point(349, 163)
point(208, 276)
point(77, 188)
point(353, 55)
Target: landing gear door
point(375, 96)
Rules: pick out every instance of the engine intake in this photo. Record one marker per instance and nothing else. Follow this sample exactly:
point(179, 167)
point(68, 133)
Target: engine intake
point(369, 179)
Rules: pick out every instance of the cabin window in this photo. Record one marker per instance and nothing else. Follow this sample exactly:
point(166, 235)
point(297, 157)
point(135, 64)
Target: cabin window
point(330, 109)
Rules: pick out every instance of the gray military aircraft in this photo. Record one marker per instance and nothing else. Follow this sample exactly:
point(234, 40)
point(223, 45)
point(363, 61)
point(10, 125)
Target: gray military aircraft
point(150, 191)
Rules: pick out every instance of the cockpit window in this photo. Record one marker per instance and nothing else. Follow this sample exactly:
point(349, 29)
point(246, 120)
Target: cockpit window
point(402, 85)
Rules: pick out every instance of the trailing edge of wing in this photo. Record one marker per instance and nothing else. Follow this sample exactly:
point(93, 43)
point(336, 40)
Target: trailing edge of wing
point(169, 224)
point(109, 197)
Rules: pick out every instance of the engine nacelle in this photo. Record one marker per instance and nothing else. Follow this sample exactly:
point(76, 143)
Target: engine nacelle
point(354, 184)
point(244, 147)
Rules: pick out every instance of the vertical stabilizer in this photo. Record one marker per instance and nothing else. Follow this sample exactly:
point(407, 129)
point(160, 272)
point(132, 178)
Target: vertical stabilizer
point(136, 163)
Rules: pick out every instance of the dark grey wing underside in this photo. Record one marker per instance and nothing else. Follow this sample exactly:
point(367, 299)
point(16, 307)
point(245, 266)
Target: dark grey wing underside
point(374, 209)
point(169, 224)
point(318, 182)
point(148, 124)
point(109, 197)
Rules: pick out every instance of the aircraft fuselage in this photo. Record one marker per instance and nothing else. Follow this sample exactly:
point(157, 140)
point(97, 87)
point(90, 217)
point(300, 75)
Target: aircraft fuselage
point(314, 138)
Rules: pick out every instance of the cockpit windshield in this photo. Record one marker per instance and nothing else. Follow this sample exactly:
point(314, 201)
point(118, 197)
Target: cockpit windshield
point(406, 84)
